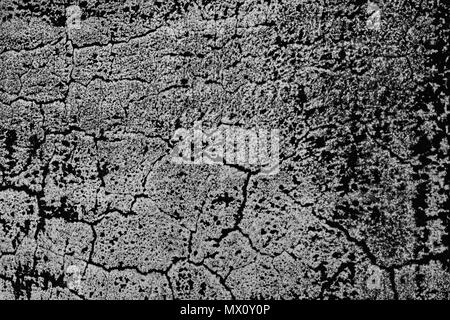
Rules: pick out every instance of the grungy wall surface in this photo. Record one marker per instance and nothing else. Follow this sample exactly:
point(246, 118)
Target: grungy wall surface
point(97, 203)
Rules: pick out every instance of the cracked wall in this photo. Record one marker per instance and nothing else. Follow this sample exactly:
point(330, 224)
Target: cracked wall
point(92, 207)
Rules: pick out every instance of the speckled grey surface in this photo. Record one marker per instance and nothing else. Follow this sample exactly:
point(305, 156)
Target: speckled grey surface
point(93, 205)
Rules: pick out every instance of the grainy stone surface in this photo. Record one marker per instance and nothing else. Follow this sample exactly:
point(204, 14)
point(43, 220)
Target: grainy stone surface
point(93, 207)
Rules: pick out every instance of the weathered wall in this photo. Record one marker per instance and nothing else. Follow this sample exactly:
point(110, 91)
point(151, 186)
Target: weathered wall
point(88, 109)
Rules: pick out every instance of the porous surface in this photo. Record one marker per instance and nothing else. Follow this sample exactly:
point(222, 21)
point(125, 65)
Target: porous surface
point(92, 207)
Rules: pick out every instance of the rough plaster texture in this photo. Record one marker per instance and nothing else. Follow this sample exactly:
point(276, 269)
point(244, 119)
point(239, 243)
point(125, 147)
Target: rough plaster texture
point(92, 207)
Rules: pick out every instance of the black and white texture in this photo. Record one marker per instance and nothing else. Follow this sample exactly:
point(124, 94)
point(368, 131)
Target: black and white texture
point(93, 207)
